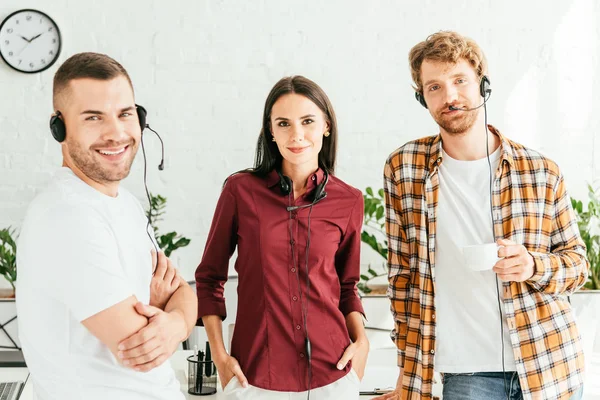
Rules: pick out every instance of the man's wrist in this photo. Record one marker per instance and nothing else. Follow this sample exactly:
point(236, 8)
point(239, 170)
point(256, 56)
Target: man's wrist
point(184, 329)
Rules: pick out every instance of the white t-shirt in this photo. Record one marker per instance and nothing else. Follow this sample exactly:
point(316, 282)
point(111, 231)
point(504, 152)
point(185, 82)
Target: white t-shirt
point(466, 301)
point(81, 252)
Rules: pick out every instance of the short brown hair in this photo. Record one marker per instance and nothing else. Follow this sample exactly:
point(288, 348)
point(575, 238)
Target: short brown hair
point(86, 65)
point(448, 47)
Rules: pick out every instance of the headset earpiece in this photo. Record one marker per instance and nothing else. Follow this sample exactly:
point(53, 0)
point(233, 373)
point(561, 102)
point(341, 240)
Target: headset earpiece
point(320, 192)
point(285, 183)
point(142, 114)
point(484, 86)
point(57, 127)
point(420, 99)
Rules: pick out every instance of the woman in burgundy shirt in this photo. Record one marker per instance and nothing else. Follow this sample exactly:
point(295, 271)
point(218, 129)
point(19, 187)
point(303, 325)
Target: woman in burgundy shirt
point(297, 230)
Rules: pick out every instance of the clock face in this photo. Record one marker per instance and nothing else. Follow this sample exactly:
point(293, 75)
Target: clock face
point(29, 41)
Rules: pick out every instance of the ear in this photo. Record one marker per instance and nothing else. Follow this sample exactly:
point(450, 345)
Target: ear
point(327, 126)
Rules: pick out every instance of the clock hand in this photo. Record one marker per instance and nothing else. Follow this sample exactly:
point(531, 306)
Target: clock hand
point(25, 39)
point(35, 37)
point(27, 45)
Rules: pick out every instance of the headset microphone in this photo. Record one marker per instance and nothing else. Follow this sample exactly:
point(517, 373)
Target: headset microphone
point(489, 93)
point(161, 166)
point(294, 208)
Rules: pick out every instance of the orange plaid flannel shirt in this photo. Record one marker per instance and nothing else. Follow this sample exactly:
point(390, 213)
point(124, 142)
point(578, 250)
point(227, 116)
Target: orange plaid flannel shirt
point(530, 207)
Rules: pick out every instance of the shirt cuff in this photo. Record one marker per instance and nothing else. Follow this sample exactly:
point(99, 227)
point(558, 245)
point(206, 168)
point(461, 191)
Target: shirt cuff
point(401, 358)
point(539, 265)
point(398, 336)
point(351, 304)
point(208, 306)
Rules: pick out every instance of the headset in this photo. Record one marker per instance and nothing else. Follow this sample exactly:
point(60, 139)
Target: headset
point(485, 91)
point(59, 133)
point(285, 185)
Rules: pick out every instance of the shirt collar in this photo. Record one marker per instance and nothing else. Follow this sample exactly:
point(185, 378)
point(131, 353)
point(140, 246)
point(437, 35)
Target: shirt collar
point(435, 149)
point(313, 180)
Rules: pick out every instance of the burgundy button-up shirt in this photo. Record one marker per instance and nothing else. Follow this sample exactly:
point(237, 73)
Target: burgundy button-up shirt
point(269, 335)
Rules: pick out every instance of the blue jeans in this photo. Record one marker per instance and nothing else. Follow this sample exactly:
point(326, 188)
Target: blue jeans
point(486, 386)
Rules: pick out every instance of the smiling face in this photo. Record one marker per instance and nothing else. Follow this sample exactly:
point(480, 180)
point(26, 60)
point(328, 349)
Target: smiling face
point(103, 130)
point(298, 126)
point(457, 85)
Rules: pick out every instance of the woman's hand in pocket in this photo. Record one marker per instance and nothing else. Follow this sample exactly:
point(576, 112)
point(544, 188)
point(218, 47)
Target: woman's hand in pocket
point(229, 368)
point(358, 353)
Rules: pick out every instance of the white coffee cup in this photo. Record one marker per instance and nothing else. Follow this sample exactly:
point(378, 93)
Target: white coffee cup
point(481, 257)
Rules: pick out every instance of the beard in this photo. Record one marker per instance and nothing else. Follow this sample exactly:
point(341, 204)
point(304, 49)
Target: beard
point(89, 162)
point(456, 124)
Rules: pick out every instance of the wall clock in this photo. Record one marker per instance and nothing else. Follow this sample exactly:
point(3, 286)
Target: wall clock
point(29, 41)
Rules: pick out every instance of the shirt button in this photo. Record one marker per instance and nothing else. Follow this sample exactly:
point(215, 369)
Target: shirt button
point(313, 178)
point(432, 351)
point(298, 327)
point(293, 269)
point(432, 316)
point(294, 298)
point(292, 242)
point(301, 355)
point(294, 215)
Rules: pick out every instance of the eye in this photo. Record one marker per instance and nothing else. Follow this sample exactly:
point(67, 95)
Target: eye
point(126, 114)
point(434, 87)
point(93, 118)
point(283, 124)
point(308, 121)
point(461, 80)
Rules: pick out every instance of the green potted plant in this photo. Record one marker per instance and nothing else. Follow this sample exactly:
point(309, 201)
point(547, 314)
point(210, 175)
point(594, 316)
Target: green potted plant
point(168, 242)
point(586, 302)
point(588, 222)
point(8, 259)
point(372, 281)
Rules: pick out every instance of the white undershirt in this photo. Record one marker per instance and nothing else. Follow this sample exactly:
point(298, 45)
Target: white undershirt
point(467, 313)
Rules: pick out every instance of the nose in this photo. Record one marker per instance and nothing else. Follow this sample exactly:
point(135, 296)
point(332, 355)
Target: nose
point(115, 130)
point(297, 133)
point(451, 94)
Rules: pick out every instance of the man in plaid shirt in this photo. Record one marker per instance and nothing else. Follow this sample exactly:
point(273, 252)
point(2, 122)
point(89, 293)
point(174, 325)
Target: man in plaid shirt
point(500, 333)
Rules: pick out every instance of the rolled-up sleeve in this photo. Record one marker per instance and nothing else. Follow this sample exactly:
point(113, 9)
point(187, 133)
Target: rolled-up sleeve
point(565, 268)
point(347, 261)
point(398, 262)
point(211, 274)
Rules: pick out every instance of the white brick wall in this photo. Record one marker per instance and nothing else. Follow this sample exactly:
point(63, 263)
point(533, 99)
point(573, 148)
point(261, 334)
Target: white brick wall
point(203, 70)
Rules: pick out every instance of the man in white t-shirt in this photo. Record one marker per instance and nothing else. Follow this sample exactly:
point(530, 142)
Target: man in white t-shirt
point(99, 311)
point(496, 329)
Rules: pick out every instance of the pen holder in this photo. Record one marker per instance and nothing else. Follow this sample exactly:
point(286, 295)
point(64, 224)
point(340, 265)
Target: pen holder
point(202, 377)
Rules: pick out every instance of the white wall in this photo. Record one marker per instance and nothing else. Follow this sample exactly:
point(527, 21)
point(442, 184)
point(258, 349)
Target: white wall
point(203, 70)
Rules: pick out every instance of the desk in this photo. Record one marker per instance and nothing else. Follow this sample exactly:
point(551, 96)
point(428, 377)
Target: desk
point(8, 316)
point(15, 375)
point(381, 363)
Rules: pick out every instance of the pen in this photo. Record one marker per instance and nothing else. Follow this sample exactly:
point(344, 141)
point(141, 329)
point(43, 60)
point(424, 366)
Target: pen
point(199, 376)
point(208, 367)
point(375, 392)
